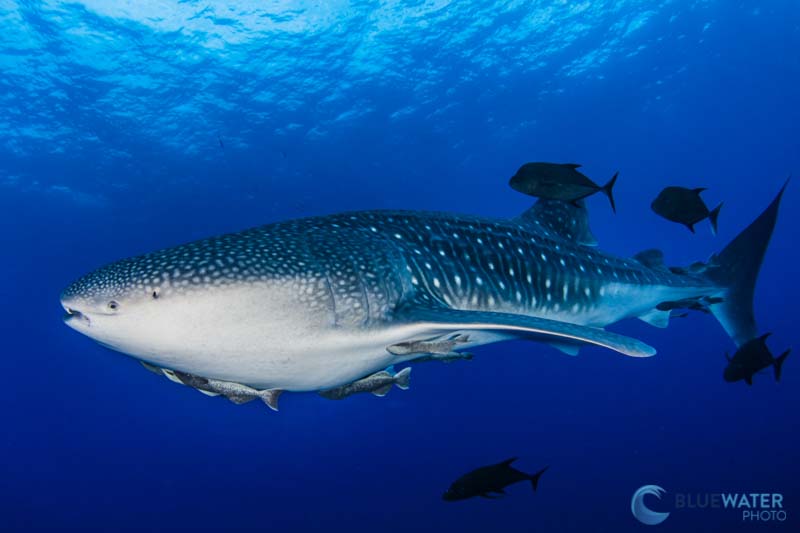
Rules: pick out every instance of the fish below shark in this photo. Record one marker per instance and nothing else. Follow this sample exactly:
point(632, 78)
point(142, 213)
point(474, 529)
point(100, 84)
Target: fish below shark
point(318, 303)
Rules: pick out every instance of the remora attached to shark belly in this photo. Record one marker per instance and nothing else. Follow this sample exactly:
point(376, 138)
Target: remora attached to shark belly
point(320, 303)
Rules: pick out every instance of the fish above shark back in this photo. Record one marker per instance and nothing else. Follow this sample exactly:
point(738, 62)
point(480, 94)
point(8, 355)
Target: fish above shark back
point(559, 181)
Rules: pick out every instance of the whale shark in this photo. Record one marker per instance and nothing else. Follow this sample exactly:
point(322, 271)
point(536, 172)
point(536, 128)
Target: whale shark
point(317, 303)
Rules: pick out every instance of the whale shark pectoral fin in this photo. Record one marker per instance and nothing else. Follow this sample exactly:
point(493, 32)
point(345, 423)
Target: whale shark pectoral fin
point(442, 319)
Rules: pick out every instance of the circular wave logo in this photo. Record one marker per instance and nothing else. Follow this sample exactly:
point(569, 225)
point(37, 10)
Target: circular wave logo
point(640, 510)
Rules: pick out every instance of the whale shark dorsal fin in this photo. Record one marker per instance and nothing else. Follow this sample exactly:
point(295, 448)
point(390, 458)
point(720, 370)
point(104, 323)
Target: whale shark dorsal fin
point(652, 258)
point(431, 320)
point(567, 220)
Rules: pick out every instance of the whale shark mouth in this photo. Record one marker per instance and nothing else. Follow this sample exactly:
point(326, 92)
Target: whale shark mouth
point(73, 315)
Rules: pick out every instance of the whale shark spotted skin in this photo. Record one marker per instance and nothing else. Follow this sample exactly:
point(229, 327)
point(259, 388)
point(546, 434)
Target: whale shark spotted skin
point(317, 303)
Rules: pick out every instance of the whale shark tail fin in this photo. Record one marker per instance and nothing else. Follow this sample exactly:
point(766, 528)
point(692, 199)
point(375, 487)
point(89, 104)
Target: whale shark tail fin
point(736, 268)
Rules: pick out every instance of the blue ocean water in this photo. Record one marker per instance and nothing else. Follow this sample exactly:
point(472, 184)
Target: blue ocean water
point(133, 126)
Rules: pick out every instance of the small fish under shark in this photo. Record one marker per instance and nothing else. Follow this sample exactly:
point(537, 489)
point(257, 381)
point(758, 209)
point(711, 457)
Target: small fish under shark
point(378, 384)
point(317, 304)
point(235, 392)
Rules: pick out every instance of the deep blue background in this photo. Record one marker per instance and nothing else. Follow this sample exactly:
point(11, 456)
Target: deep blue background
point(111, 118)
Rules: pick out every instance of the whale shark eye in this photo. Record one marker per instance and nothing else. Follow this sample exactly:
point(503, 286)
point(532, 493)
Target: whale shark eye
point(155, 294)
point(113, 305)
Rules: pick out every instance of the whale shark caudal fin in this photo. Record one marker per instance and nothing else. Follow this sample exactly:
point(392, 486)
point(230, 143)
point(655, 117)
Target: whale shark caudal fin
point(736, 268)
point(440, 320)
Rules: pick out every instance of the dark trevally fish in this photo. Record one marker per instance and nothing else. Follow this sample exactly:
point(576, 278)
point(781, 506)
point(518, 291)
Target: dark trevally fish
point(379, 384)
point(752, 357)
point(559, 181)
point(685, 206)
point(319, 303)
point(489, 481)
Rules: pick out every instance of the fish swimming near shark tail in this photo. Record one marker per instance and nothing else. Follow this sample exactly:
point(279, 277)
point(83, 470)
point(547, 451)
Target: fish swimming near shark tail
point(608, 190)
point(736, 268)
point(535, 478)
point(779, 364)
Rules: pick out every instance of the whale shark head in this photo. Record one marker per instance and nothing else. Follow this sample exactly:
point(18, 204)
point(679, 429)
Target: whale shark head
point(189, 307)
point(115, 304)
